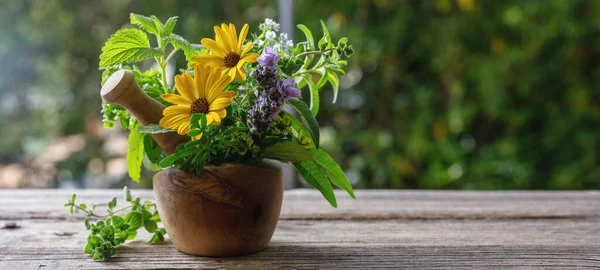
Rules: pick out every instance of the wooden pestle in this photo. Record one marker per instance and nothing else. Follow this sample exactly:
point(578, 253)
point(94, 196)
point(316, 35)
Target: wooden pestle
point(121, 89)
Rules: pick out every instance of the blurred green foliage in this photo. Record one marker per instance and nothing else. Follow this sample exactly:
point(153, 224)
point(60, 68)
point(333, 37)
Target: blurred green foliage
point(440, 94)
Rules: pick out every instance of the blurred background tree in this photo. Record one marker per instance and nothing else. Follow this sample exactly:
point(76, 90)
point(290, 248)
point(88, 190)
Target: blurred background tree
point(440, 94)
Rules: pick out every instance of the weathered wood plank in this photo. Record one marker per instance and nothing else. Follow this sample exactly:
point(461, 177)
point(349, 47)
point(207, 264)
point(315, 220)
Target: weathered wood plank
point(314, 243)
point(309, 204)
point(389, 229)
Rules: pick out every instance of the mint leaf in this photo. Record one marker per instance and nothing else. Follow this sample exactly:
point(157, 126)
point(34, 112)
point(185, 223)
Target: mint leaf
point(190, 50)
point(307, 118)
point(135, 153)
point(145, 23)
point(313, 175)
point(127, 46)
point(287, 151)
point(169, 26)
point(333, 170)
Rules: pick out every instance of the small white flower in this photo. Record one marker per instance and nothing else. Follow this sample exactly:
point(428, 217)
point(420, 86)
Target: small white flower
point(270, 35)
point(272, 24)
point(289, 43)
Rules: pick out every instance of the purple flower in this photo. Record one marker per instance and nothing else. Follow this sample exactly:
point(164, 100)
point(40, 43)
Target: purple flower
point(269, 58)
point(287, 89)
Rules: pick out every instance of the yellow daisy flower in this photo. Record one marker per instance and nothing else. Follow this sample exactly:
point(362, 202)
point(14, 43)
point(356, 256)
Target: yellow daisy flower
point(201, 94)
point(227, 51)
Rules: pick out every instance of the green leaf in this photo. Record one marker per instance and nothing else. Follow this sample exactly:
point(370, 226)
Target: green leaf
point(307, 118)
point(134, 219)
point(117, 220)
point(333, 79)
point(73, 197)
point(151, 149)
point(326, 32)
point(287, 151)
point(145, 23)
point(131, 234)
point(127, 193)
point(194, 133)
point(135, 153)
point(112, 203)
point(83, 206)
point(158, 24)
point(190, 50)
point(150, 226)
point(171, 159)
point(323, 80)
point(313, 175)
point(314, 97)
point(297, 126)
point(309, 37)
point(169, 26)
point(88, 249)
point(157, 238)
point(198, 121)
point(94, 241)
point(108, 233)
point(154, 129)
point(333, 170)
point(127, 46)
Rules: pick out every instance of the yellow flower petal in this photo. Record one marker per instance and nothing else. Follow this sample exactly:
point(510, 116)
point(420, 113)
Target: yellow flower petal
point(241, 73)
point(173, 121)
point(209, 119)
point(214, 47)
point(221, 113)
point(184, 129)
point(217, 87)
point(184, 88)
point(176, 110)
point(247, 48)
point(176, 99)
point(250, 58)
point(214, 61)
point(223, 38)
point(233, 34)
point(216, 117)
point(242, 37)
point(219, 104)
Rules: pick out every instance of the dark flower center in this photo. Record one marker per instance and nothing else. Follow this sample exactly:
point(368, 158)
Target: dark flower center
point(231, 59)
point(199, 106)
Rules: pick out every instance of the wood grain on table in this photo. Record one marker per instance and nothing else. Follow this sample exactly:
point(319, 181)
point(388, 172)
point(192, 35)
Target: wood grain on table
point(388, 229)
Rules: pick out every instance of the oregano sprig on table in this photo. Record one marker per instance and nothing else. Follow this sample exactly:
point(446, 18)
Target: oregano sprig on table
point(108, 231)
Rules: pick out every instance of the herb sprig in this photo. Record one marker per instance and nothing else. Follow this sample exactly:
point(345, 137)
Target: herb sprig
point(108, 231)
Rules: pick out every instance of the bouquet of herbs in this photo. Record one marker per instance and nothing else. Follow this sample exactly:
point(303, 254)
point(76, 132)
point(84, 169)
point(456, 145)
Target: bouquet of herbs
point(229, 100)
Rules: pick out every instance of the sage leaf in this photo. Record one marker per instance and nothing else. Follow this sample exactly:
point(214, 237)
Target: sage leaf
point(288, 151)
point(313, 174)
point(333, 170)
point(307, 118)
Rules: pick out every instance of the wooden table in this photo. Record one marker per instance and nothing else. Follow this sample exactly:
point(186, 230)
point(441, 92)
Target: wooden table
point(389, 229)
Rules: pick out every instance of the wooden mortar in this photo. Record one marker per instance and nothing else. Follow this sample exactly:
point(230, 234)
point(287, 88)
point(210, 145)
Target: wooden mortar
point(228, 210)
point(121, 89)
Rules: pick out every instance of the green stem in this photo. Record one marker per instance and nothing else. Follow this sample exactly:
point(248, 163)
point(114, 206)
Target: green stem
point(315, 52)
point(114, 212)
point(163, 71)
point(171, 55)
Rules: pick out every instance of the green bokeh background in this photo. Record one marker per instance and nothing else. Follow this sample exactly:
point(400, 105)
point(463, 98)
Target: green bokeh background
point(440, 94)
